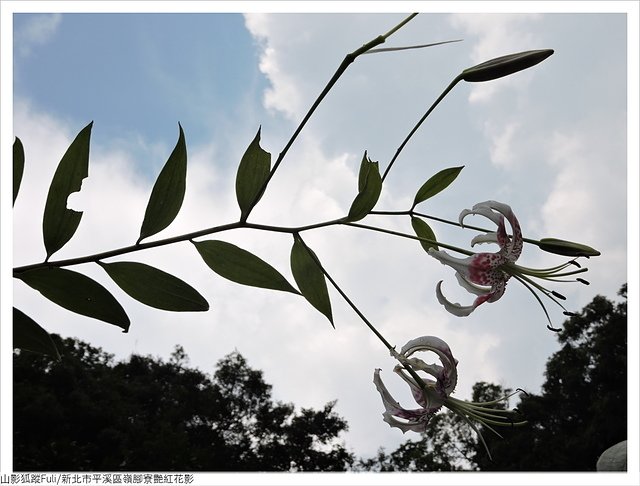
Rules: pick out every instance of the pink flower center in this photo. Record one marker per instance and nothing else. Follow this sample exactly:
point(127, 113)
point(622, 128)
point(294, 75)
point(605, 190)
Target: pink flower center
point(483, 269)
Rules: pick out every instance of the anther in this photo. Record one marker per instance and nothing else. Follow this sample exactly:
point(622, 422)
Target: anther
point(583, 281)
point(554, 329)
point(573, 262)
point(559, 296)
point(522, 391)
point(570, 314)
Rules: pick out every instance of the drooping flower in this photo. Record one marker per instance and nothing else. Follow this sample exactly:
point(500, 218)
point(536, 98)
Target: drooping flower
point(482, 274)
point(486, 274)
point(431, 395)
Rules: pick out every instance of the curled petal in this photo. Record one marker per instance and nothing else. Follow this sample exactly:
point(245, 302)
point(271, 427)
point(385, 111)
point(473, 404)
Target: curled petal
point(471, 287)
point(496, 211)
point(417, 420)
point(430, 398)
point(496, 292)
point(485, 238)
point(461, 265)
point(455, 309)
point(447, 374)
point(482, 209)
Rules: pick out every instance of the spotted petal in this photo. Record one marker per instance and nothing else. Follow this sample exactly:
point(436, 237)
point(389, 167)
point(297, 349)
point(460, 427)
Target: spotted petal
point(482, 274)
point(417, 419)
point(447, 374)
point(453, 308)
point(430, 395)
point(496, 212)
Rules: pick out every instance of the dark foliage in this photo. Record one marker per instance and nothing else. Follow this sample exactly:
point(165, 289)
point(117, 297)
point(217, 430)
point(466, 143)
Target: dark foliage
point(89, 413)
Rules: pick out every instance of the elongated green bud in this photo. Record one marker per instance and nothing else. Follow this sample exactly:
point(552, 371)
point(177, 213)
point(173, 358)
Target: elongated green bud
point(567, 248)
point(505, 65)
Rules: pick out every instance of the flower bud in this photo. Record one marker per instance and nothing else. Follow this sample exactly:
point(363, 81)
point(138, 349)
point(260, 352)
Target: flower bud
point(505, 65)
point(567, 248)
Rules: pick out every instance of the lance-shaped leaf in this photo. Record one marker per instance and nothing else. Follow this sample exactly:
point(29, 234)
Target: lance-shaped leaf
point(505, 65)
point(30, 336)
point(154, 287)
point(310, 277)
point(241, 266)
point(423, 230)
point(436, 184)
point(60, 223)
point(369, 188)
point(77, 293)
point(168, 191)
point(18, 166)
point(252, 174)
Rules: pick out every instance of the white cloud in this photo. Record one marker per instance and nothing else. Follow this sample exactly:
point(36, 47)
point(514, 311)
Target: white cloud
point(589, 194)
point(36, 31)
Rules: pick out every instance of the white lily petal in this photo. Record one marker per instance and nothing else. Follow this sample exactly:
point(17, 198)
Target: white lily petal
point(390, 403)
point(515, 244)
point(393, 408)
point(470, 286)
point(404, 426)
point(459, 264)
point(425, 342)
point(485, 238)
point(446, 374)
point(432, 369)
point(454, 308)
point(482, 209)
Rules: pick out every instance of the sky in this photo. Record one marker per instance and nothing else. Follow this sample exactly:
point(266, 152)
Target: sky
point(552, 142)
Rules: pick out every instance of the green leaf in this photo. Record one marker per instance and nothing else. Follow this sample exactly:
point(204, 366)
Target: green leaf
point(505, 65)
point(423, 230)
point(310, 278)
point(59, 223)
point(30, 336)
point(18, 166)
point(369, 188)
point(77, 293)
point(168, 191)
point(252, 174)
point(154, 287)
point(240, 266)
point(437, 183)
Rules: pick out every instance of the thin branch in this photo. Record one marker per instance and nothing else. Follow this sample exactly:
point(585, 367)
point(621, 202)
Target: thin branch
point(417, 125)
point(349, 58)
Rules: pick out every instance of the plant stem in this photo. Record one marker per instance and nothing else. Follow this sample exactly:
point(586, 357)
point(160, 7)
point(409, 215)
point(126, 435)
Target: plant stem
point(404, 235)
point(371, 327)
point(417, 125)
point(446, 221)
point(349, 58)
point(345, 296)
point(128, 249)
point(399, 26)
point(219, 229)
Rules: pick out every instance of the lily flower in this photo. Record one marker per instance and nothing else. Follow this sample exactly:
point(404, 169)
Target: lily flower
point(486, 274)
point(431, 395)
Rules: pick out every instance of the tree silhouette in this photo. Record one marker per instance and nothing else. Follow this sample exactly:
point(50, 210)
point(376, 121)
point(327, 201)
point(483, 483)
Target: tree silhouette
point(88, 412)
